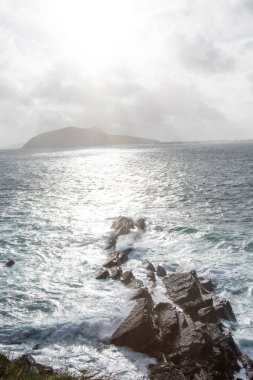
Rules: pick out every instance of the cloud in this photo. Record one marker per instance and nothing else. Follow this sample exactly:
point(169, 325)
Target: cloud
point(201, 54)
point(182, 71)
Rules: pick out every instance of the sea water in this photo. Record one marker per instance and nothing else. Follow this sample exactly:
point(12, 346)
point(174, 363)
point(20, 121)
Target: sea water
point(56, 209)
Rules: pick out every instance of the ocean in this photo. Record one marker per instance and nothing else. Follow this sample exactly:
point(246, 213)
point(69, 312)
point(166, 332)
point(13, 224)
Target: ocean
point(56, 209)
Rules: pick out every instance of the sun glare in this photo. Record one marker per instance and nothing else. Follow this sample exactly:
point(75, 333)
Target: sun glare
point(96, 34)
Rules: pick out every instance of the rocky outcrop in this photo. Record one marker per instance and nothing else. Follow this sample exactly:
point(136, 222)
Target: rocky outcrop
point(123, 225)
point(10, 263)
point(185, 334)
point(188, 342)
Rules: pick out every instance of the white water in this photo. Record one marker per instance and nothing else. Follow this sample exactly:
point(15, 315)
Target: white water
point(56, 211)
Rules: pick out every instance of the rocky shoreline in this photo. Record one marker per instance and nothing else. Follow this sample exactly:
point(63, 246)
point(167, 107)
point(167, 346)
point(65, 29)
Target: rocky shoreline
point(185, 334)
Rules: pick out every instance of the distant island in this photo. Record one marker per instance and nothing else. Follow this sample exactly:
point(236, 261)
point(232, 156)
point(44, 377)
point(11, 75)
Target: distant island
point(75, 138)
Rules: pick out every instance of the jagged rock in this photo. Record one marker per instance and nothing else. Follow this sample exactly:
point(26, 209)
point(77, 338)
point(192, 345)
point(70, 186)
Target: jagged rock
point(10, 263)
point(151, 277)
point(137, 331)
point(136, 284)
point(207, 315)
point(165, 318)
point(141, 293)
point(188, 344)
point(103, 274)
point(223, 309)
point(207, 284)
point(166, 371)
point(248, 365)
point(112, 261)
point(121, 226)
point(141, 224)
point(182, 288)
point(148, 265)
point(127, 277)
point(115, 272)
point(160, 271)
point(123, 256)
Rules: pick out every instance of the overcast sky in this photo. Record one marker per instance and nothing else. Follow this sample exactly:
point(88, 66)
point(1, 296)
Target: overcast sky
point(171, 70)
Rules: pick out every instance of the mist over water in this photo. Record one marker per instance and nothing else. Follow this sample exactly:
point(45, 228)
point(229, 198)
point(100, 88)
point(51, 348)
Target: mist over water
point(55, 213)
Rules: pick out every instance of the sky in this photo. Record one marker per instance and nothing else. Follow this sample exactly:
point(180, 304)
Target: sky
point(175, 70)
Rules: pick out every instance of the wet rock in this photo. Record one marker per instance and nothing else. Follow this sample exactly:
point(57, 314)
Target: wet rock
point(182, 288)
point(127, 277)
point(248, 365)
point(10, 263)
point(151, 277)
point(123, 256)
point(165, 318)
point(103, 274)
point(207, 315)
point(141, 293)
point(141, 224)
point(115, 273)
point(160, 271)
point(136, 284)
point(207, 285)
point(148, 265)
point(223, 309)
point(121, 226)
point(112, 261)
point(166, 371)
point(188, 344)
point(137, 331)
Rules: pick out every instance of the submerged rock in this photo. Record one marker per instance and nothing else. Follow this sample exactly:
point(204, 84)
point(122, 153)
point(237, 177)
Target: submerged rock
point(10, 263)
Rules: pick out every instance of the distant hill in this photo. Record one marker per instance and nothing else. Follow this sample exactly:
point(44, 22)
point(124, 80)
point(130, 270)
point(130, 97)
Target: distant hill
point(74, 138)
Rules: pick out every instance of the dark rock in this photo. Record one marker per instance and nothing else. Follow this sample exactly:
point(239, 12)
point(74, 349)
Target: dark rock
point(207, 315)
point(166, 320)
point(182, 288)
point(136, 284)
point(223, 309)
point(148, 265)
point(188, 344)
point(123, 256)
point(103, 274)
point(166, 371)
point(151, 277)
point(160, 271)
point(207, 285)
point(115, 273)
point(248, 365)
point(137, 331)
point(141, 293)
point(121, 226)
point(141, 224)
point(112, 261)
point(127, 277)
point(10, 263)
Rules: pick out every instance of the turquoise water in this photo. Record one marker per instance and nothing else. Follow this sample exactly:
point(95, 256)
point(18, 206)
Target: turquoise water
point(55, 213)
